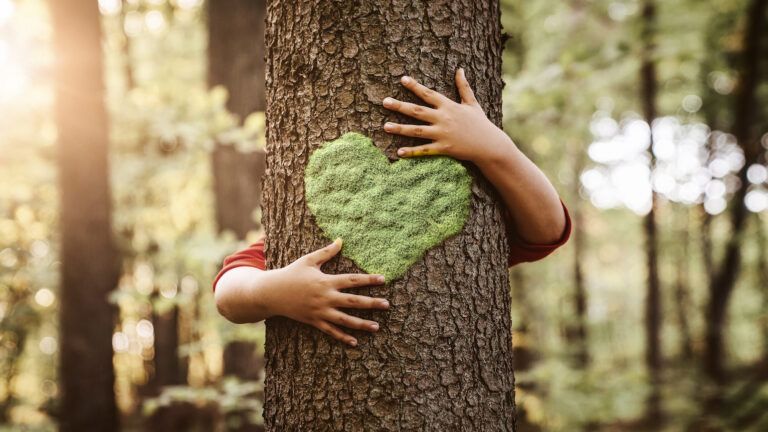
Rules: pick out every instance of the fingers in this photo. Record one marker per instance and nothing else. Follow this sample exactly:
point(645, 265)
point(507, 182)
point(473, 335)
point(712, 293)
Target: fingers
point(344, 281)
point(320, 256)
point(425, 150)
point(426, 94)
point(352, 322)
point(416, 111)
point(335, 332)
point(416, 131)
point(353, 301)
point(465, 90)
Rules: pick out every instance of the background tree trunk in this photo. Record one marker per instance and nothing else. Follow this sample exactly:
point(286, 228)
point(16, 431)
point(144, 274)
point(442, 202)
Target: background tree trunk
point(89, 260)
point(682, 294)
point(236, 61)
point(579, 327)
point(443, 357)
point(648, 88)
point(724, 278)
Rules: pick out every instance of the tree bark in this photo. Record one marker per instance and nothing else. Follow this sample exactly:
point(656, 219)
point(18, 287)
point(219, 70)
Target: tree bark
point(648, 88)
point(443, 357)
point(724, 278)
point(89, 259)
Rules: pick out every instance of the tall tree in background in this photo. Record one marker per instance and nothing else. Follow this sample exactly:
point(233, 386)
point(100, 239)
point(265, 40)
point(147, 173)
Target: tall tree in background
point(236, 61)
point(745, 109)
point(89, 261)
point(442, 359)
point(579, 328)
point(648, 89)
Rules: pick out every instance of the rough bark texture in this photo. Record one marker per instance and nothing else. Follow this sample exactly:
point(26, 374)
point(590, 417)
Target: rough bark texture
point(443, 357)
point(724, 278)
point(89, 261)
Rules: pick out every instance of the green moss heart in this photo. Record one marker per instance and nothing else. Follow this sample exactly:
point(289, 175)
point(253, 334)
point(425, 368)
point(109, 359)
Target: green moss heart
point(388, 214)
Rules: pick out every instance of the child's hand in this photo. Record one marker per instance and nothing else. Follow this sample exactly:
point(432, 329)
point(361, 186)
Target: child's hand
point(304, 293)
point(459, 130)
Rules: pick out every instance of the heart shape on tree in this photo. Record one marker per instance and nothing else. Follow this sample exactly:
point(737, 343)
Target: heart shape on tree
point(388, 214)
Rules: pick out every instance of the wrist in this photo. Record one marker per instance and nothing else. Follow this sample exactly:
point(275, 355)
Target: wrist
point(501, 152)
point(263, 293)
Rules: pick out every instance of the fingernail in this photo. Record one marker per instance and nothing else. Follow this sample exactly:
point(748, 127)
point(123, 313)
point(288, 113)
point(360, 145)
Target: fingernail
point(379, 278)
point(400, 152)
point(388, 126)
point(384, 304)
point(405, 79)
point(388, 101)
point(462, 71)
point(374, 326)
point(353, 342)
point(338, 241)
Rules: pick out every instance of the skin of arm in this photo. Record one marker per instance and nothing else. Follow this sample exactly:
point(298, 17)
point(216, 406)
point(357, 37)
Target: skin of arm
point(300, 291)
point(463, 131)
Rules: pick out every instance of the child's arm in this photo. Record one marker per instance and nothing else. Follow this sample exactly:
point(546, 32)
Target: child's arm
point(300, 291)
point(462, 131)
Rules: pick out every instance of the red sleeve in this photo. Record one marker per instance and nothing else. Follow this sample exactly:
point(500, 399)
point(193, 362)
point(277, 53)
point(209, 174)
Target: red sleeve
point(253, 256)
point(521, 251)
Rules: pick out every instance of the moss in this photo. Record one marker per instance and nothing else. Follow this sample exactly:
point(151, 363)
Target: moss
point(388, 214)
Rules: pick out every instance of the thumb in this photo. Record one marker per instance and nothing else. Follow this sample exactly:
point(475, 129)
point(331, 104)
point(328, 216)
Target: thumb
point(321, 256)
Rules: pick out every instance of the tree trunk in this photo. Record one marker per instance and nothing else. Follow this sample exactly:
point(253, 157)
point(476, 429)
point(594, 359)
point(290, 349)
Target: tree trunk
point(443, 357)
point(648, 88)
point(724, 278)
point(236, 61)
point(169, 368)
point(89, 260)
point(762, 279)
point(682, 289)
point(579, 330)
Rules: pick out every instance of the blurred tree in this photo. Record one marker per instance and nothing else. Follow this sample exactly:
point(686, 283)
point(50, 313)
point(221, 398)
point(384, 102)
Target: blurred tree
point(653, 308)
point(579, 329)
point(442, 359)
point(744, 121)
point(236, 62)
point(89, 261)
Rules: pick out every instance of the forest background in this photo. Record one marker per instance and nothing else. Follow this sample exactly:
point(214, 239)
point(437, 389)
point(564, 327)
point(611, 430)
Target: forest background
point(653, 317)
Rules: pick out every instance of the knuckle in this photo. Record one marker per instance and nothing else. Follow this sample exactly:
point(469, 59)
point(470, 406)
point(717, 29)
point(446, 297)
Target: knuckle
point(418, 109)
point(353, 279)
point(418, 131)
point(427, 93)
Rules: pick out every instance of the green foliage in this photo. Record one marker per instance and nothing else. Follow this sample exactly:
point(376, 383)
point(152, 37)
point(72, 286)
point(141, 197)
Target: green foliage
point(388, 214)
point(231, 395)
